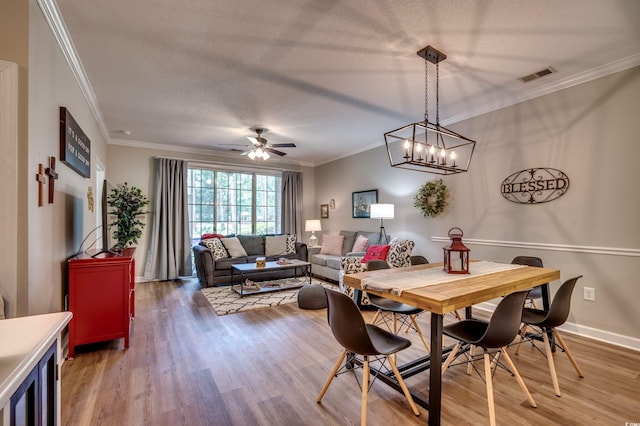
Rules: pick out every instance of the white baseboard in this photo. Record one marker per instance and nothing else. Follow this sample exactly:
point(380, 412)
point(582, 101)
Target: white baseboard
point(584, 331)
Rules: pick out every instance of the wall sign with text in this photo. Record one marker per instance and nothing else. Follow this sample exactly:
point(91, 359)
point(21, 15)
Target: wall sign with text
point(75, 146)
point(535, 186)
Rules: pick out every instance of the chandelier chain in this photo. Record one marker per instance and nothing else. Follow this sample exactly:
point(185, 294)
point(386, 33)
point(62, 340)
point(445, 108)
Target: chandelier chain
point(426, 91)
point(438, 93)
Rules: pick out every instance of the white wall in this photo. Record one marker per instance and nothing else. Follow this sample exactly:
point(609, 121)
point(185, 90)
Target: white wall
point(54, 230)
point(587, 131)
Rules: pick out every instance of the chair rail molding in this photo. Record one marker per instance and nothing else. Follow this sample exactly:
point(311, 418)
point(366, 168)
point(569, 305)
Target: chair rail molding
point(612, 251)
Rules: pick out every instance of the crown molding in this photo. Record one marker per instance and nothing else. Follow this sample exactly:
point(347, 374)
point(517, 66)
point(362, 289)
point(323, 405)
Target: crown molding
point(193, 150)
point(572, 80)
point(59, 29)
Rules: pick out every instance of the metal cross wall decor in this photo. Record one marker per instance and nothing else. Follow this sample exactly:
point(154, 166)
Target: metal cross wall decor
point(51, 172)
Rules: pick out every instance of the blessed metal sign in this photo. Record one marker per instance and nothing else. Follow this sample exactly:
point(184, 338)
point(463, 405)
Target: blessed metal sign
point(535, 186)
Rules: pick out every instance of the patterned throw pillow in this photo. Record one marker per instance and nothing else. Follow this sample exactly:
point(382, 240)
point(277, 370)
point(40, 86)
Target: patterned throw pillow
point(291, 244)
point(217, 248)
point(399, 255)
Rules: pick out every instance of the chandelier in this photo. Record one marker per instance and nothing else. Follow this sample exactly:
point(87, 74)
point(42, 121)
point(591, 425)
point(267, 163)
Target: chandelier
point(426, 146)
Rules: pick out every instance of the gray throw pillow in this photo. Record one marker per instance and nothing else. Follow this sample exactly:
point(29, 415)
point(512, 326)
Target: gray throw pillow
point(275, 246)
point(233, 246)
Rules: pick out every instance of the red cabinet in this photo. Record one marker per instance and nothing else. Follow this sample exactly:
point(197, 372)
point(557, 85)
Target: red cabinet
point(101, 298)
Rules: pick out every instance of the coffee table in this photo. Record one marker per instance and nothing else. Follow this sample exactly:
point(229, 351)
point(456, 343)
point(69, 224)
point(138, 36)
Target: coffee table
point(247, 268)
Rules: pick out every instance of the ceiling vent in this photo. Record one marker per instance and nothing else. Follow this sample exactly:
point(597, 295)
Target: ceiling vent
point(537, 75)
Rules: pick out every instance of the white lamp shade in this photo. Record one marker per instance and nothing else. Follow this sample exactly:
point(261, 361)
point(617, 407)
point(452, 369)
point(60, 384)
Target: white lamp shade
point(382, 211)
point(312, 225)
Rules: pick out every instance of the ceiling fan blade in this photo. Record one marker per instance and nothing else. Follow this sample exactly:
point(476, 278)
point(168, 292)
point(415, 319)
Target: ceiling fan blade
point(245, 152)
point(275, 151)
point(254, 140)
point(283, 145)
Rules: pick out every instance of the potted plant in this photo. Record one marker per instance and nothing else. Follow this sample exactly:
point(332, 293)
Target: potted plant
point(127, 205)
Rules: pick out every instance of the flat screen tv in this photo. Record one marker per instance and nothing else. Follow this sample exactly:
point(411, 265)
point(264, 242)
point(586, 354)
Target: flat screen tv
point(107, 228)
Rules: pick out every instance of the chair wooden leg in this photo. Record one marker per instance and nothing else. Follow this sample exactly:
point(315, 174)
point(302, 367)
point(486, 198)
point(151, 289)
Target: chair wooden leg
point(332, 375)
point(472, 352)
point(487, 374)
point(451, 357)
point(566, 349)
point(513, 368)
point(457, 315)
point(412, 318)
point(376, 317)
point(365, 389)
point(405, 390)
point(523, 332)
point(552, 366)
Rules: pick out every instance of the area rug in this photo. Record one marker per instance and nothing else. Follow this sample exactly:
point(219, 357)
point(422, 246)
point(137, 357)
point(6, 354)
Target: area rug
point(226, 301)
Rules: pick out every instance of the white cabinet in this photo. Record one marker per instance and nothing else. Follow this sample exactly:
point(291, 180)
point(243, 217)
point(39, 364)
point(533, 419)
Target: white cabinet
point(30, 358)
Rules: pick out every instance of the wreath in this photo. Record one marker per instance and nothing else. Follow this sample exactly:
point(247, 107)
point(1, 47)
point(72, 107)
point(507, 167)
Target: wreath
point(431, 198)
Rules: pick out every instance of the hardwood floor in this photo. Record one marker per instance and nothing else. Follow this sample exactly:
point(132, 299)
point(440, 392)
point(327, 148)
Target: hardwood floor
point(187, 366)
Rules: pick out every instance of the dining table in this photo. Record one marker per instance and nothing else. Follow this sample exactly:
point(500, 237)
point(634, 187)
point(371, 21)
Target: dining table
point(430, 288)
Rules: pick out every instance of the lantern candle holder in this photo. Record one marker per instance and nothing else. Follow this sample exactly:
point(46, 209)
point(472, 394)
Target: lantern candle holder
point(456, 254)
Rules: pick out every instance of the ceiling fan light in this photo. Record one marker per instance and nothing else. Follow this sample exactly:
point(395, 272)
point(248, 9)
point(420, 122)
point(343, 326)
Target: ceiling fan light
point(265, 155)
point(252, 155)
point(259, 152)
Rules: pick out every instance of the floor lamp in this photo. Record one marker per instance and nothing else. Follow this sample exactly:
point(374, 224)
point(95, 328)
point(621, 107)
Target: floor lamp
point(313, 225)
point(382, 211)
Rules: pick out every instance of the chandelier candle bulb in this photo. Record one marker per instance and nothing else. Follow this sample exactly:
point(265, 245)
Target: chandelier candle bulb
point(453, 158)
point(432, 151)
point(407, 145)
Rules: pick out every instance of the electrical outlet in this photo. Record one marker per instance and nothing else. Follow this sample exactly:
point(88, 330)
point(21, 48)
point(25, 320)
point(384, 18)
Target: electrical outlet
point(589, 293)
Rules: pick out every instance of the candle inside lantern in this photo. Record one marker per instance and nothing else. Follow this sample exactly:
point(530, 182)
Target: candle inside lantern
point(453, 158)
point(456, 264)
point(443, 156)
point(432, 151)
point(419, 150)
point(407, 145)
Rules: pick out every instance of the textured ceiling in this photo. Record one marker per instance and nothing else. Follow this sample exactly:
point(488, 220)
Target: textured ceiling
point(330, 76)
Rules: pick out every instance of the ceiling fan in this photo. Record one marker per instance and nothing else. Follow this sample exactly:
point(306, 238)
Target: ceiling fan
point(260, 148)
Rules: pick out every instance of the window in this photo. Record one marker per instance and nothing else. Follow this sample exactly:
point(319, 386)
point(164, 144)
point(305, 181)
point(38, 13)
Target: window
point(233, 202)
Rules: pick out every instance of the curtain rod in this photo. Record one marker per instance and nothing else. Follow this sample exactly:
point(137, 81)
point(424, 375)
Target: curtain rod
point(220, 163)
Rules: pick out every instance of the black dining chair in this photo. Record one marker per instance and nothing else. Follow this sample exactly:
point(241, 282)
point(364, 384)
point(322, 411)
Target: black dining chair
point(546, 321)
point(394, 315)
point(536, 292)
point(367, 340)
point(418, 260)
point(492, 337)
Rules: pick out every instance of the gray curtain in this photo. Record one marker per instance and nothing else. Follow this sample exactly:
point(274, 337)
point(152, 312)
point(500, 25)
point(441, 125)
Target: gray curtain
point(292, 203)
point(169, 248)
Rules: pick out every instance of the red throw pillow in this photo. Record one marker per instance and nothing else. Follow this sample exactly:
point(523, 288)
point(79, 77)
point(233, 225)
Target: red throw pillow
point(376, 252)
point(210, 236)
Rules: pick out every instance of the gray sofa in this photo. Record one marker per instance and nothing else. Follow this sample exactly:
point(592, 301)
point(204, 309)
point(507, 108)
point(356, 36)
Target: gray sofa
point(327, 266)
point(212, 272)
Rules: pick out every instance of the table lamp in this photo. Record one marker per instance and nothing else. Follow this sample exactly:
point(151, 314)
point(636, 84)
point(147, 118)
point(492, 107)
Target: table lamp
point(313, 225)
point(382, 211)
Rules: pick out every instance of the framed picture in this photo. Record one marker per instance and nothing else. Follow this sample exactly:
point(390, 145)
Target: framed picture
point(361, 203)
point(324, 211)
